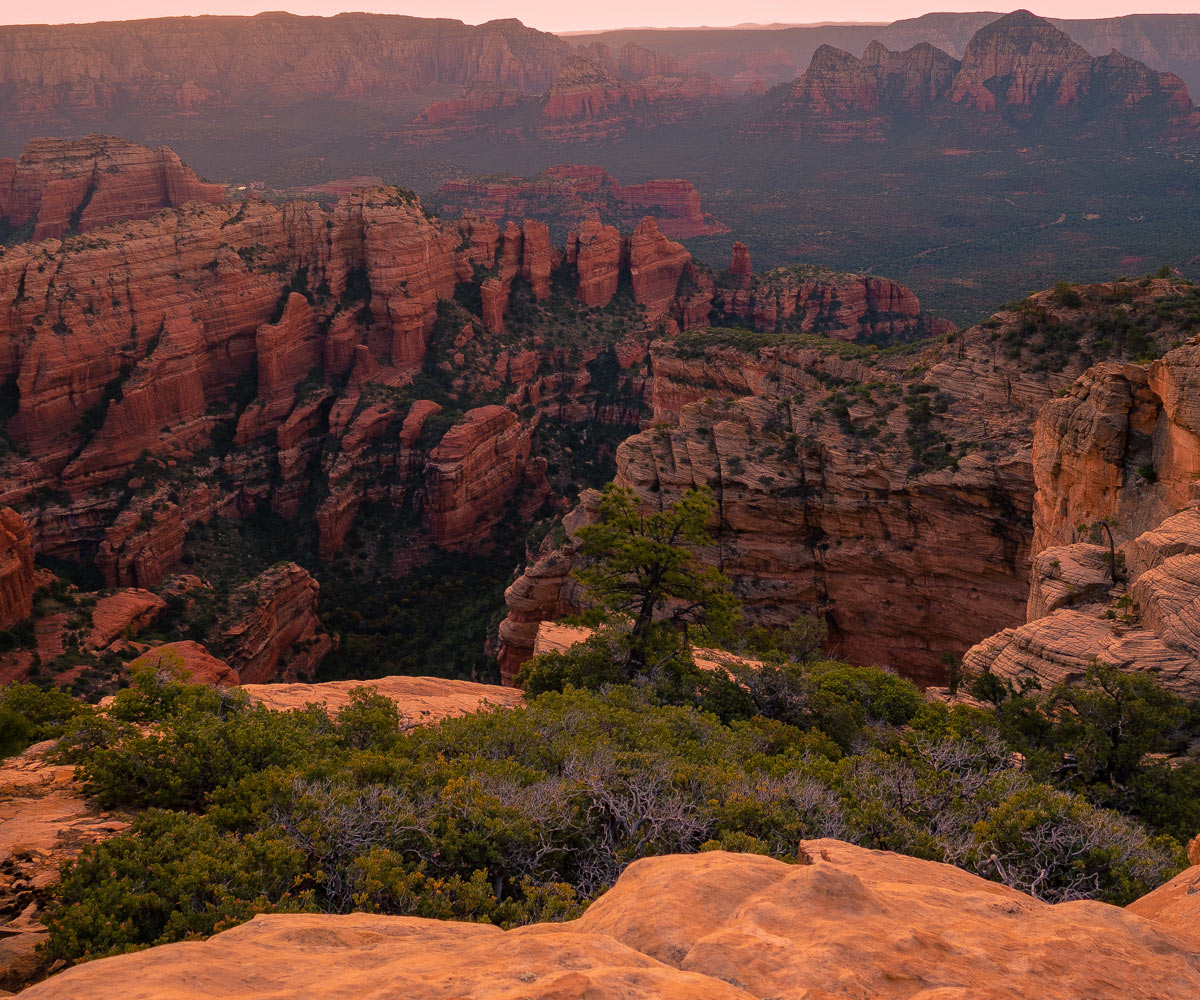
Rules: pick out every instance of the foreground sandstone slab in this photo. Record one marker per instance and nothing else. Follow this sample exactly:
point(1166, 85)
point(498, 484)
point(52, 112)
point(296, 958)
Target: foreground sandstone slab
point(849, 923)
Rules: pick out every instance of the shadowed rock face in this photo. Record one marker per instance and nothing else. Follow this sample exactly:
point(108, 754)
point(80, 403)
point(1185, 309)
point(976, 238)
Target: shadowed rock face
point(714, 926)
point(79, 184)
point(225, 358)
point(1123, 447)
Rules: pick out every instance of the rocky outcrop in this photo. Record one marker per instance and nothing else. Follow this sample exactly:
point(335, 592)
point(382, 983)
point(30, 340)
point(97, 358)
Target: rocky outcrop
point(806, 299)
point(1018, 72)
point(45, 821)
point(189, 661)
point(420, 700)
point(1116, 457)
point(564, 196)
point(73, 185)
point(598, 254)
point(713, 926)
point(16, 569)
point(272, 631)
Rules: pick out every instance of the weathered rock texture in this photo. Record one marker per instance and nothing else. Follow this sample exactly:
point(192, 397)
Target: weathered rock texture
point(845, 923)
point(1121, 447)
point(566, 195)
point(62, 185)
point(219, 360)
point(1017, 72)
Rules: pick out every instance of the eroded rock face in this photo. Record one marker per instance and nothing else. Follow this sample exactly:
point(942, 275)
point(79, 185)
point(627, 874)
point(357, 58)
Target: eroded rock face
point(272, 631)
point(1122, 447)
point(713, 926)
point(61, 185)
point(832, 497)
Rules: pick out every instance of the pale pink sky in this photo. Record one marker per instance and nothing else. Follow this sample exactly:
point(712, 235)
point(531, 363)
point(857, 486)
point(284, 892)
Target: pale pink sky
point(554, 15)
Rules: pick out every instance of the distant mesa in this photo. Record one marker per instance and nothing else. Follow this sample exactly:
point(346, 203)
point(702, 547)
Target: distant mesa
point(563, 196)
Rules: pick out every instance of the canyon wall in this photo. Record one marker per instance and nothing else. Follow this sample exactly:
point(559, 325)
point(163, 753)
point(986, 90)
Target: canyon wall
point(225, 359)
point(885, 491)
point(270, 59)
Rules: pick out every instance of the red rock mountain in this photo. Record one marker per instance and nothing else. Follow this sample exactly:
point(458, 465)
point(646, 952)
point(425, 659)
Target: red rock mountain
point(59, 186)
point(1015, 72)
point(565, 196)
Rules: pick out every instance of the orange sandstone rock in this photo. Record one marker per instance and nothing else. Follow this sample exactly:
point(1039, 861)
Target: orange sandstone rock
point(843, 924)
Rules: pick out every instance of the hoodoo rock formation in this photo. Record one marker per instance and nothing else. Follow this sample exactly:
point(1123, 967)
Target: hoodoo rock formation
point(565, 196)
point(1016, 72)
point(1119, 456)
point(60, 186)
point(713, 926)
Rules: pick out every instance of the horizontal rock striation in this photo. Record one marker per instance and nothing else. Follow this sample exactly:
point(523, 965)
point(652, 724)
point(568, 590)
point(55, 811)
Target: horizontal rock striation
point(885, 491)
point(60, 186)
point(268, 60)
point(16, 569)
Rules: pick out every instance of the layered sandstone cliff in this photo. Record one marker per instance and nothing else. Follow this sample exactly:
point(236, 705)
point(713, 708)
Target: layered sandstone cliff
point(16, 569)
point(839, 925)
point(59, 186)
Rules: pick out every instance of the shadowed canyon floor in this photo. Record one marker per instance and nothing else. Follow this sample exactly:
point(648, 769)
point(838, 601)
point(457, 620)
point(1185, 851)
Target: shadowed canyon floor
point(842, 924)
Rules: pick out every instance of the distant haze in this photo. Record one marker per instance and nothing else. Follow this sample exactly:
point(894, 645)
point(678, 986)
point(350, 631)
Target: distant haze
point(555, 16)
